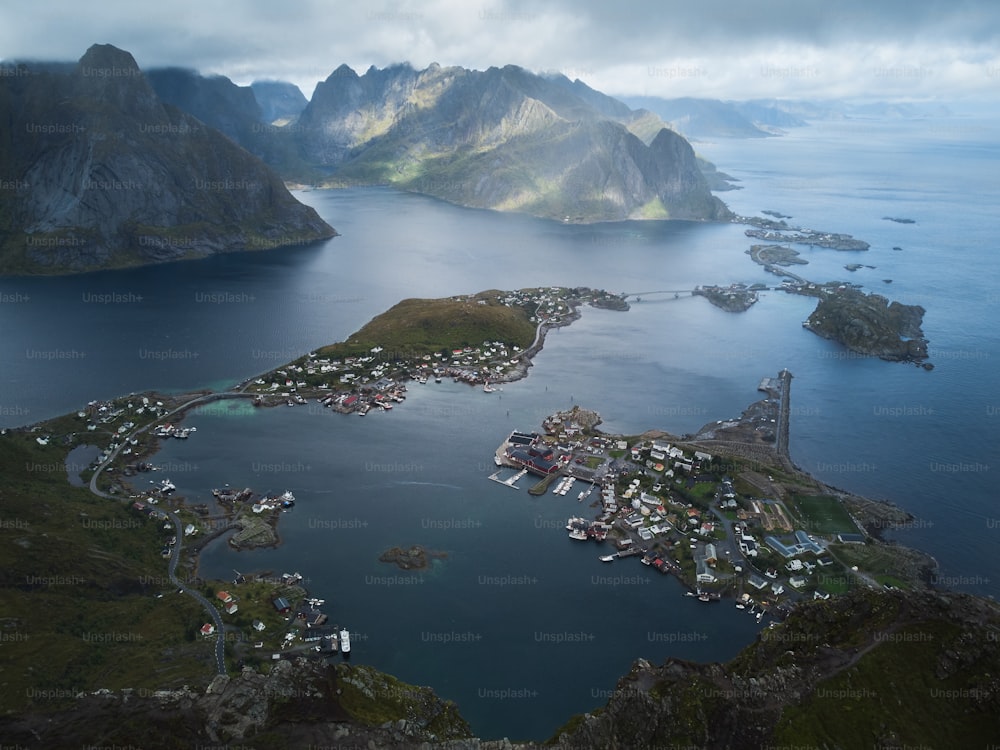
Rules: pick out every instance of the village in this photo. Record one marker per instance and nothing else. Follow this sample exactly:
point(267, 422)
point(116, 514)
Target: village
point(715, 523)
point(376, 379)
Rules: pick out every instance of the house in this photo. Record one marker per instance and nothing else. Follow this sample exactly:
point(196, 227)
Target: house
point(258, 625)
point(710, 555)
point(850, 538)
point(232, 609)
point(281, 604)
point(224, 596)
point(705, 575)
point(757, 582)
point(207, 629)
point(797, 581)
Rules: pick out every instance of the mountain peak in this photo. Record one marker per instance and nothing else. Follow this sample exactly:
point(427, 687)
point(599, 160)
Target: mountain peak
point(107, 61)
point(342, 70)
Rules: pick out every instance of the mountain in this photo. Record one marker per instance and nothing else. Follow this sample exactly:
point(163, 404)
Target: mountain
point(278, 100)
point(236, 112)
point(712, 118)
point(867, 669)
point(503, 138)
point(101, 172)
point(215, 100)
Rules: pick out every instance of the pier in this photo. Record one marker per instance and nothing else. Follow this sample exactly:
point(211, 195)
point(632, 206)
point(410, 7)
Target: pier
point(510, 481)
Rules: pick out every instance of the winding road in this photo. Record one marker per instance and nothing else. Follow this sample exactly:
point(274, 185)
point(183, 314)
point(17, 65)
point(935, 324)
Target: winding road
point(220, 642)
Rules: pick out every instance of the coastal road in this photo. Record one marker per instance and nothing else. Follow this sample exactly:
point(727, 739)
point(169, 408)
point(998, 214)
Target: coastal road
point(175, 555)
point(220, 643)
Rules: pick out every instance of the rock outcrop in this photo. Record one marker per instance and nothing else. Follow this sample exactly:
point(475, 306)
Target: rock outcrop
point(869, 324)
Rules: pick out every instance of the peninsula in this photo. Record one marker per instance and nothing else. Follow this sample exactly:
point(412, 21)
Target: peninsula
point(480, 339)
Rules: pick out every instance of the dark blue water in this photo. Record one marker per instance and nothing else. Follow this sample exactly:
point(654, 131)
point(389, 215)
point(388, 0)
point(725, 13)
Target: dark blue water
point(417, 474)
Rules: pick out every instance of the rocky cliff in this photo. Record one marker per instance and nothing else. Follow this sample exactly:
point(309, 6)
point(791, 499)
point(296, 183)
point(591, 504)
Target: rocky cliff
point(99, 172)
point(868, 669)
point(502, 138)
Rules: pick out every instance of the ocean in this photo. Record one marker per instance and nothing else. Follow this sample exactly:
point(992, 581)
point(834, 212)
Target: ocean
point(518, 625)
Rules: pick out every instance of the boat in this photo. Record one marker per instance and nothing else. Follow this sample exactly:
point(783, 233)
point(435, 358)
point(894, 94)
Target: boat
point(487, 388)
point(760, 615)
point(607, 558)
point(578, 534)
point(167, 486)
point(345, 642)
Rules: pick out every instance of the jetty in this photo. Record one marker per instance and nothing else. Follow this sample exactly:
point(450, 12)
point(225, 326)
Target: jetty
point(509, 481)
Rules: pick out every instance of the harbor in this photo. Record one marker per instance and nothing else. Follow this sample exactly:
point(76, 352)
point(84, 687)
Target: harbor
point(698, 516)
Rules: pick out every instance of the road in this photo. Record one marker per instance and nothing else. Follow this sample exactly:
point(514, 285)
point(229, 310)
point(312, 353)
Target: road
point(175, 555)
point(220, 643)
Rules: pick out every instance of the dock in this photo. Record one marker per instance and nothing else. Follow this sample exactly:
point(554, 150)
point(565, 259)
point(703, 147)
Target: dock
point(510, 481)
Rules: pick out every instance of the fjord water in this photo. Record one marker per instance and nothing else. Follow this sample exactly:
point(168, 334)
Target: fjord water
point(519, 625)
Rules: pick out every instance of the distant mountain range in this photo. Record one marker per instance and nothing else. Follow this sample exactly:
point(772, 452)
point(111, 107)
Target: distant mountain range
point(97, 171)
point(104, 165)
point(700, 119)
point(503, 138)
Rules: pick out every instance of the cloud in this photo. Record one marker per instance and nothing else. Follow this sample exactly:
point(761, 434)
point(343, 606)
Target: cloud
point(911, 49)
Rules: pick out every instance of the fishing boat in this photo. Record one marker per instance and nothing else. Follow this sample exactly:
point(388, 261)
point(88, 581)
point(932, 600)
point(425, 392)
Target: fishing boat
point(345, 642)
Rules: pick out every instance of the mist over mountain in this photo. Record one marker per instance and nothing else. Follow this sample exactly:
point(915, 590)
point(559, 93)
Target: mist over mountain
point(278, 100)
point(711, 118)
point(98, 172)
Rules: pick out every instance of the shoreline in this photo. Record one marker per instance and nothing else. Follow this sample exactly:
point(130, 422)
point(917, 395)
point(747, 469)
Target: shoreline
point(875, 524)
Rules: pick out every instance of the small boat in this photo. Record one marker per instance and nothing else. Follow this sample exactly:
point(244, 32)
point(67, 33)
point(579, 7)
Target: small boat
point(345, 642)
point(578, 535)
point(607, 558)
point(487, 388)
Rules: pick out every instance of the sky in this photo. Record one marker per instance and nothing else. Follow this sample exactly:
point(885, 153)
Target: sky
point(887, 50)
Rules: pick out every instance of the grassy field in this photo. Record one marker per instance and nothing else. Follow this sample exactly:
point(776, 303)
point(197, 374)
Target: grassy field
point(422, 326)
point(822, 514)
point(78, 605)
point(896, 679)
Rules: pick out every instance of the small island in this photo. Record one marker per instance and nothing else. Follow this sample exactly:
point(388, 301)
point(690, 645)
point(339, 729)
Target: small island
point(832, 240)
point(869, 324)
point(414, 558)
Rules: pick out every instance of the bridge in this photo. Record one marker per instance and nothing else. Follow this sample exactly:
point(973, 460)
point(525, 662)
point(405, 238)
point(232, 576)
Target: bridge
point(677, 292)
point(637, 295)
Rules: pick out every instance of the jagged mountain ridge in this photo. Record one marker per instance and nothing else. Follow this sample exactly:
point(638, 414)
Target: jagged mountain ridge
point(503, 138)
point(103, 173)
